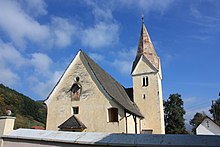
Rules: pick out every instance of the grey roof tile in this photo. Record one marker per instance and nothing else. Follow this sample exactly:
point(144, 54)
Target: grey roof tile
point(72, 123)
point(112, 87)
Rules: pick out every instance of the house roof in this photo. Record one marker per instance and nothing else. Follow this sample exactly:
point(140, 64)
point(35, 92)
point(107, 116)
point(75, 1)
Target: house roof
point(72, 123)
point(112, 87)
point(38, 127)
point(206, 117)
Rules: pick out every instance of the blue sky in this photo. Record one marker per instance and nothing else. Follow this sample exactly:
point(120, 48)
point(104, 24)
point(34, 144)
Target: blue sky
point(38, 39)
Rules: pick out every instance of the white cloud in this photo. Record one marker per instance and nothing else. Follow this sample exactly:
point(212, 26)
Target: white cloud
point(23, 28)
point(123, 66)
point(96, 57)
point(34, 7)
point(63, 31)
point(124, 62)
point(19, 26)
point(101, 35)
point(147, 6)
point(195, 12)
point(43, 87)
point(102, 14)
point(9, 55)
point(8, 77)
point(41, 62)
point(105, 31)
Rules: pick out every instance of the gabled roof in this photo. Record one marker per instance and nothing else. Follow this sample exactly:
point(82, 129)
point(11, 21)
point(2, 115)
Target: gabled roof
point(112, 87)
point(72, 123)
point(106, 83)
point(135, 63)
point(206, 117)
point(145, 59)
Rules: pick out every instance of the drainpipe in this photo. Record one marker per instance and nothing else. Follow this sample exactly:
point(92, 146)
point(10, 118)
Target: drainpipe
point(126, 122)
point(135, 124)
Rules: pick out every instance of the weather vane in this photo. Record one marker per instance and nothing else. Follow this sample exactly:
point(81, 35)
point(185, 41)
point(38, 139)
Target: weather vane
point(142, 17)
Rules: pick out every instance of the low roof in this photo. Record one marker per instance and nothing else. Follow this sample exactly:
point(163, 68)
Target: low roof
point(110, 139)
point(72, 123)
point(206, 117)
point(112, 87)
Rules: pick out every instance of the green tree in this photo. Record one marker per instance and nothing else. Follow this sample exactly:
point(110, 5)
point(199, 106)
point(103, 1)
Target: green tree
point(27, 111)
point(174, 111)
point(215, 111)
point(197, 119)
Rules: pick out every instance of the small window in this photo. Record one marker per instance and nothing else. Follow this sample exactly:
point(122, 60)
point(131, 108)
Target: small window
point(75, 110)
point(113, 114)
point(145, 81)
point(144, 96)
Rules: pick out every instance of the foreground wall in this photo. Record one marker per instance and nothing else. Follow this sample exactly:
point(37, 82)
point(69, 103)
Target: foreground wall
point(42, 138)
point(6, 126)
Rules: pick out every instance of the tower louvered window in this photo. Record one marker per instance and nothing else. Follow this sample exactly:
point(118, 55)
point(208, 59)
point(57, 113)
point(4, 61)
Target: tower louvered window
point(145, 81)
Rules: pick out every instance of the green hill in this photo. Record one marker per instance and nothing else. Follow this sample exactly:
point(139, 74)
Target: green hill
point(28, 112)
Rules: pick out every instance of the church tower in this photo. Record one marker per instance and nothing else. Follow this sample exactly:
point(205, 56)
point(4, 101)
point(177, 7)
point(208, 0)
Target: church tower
point(147, 87)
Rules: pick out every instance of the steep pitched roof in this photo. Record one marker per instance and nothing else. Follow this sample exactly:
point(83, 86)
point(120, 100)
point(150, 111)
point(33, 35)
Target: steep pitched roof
point(146, 48)
point(72, 123)
point(112, 87)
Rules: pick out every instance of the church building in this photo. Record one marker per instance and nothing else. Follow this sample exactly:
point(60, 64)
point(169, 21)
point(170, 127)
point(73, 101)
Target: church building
point(87, 99)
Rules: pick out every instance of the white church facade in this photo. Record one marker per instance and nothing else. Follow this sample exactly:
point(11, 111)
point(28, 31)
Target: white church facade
point(95, 102)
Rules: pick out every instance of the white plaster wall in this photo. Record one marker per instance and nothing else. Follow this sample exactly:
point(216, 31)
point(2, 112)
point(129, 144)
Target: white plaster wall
point(6, 124)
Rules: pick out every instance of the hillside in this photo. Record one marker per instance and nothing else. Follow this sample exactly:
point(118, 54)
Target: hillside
point(28, 112)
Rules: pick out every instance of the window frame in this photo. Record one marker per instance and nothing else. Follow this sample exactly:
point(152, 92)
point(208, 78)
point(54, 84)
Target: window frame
point(75, 109)
point(145, 81)
point(113, 114)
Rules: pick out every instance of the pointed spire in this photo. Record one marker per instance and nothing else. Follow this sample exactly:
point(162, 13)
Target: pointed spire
point(145, 46)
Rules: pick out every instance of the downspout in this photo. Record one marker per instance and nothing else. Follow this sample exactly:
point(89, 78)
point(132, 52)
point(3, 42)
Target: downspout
point(135, 124)
point(126, 123)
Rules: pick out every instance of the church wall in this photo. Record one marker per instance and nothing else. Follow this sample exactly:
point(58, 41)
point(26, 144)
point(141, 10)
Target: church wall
point(149, 98)
point(93, 104)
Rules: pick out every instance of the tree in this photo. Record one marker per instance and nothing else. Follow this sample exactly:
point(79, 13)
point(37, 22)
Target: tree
point(174, 111)
point(197, 119)
point(215, 111)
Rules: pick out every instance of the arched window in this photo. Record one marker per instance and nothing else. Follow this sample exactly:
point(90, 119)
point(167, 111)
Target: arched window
point(145, 81)
point(113, 114)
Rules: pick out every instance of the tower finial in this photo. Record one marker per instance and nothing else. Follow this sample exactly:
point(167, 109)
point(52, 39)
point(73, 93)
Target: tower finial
point(142, 17)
